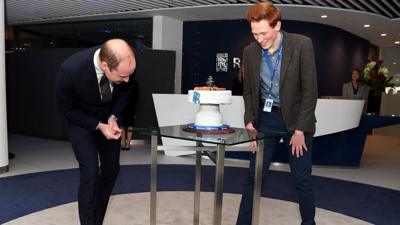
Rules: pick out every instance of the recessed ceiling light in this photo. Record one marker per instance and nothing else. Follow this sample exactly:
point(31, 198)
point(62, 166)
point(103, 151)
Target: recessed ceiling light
point(397, 42)
point(394, 63)
point(324, 16)
point(383, 35)
point(367, 25)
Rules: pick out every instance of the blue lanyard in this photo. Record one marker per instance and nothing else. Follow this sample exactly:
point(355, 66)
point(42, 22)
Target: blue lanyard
point(272, 68)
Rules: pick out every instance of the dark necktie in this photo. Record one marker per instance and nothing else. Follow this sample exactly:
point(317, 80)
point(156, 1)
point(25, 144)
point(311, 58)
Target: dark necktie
point(105, 89)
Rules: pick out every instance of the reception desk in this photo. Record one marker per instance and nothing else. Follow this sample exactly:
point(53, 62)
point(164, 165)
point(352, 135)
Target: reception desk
point(340, 135)
point(344, 148)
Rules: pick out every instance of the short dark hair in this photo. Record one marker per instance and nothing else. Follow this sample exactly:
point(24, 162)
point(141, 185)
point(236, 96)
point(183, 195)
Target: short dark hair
point(356, 69)
point(107, 55)
point(264, 11)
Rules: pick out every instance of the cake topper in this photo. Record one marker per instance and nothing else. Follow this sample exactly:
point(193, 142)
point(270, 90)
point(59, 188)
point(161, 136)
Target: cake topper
point(210, 82)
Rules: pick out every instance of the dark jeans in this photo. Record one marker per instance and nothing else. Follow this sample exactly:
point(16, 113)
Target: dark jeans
point(96, 183)
point(300, 169)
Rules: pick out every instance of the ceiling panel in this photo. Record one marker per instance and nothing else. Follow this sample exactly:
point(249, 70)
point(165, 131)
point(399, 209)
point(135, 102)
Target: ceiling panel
point(383, 15)
point(23, 11)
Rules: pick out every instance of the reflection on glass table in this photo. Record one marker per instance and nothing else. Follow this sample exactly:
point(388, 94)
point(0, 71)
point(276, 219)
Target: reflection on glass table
point(239, 136)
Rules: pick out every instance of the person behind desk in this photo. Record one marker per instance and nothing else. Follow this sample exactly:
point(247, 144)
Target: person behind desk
point(129, 116)
point(237, 84)
point(90, 97)
point(280, 94)
point(354, 89)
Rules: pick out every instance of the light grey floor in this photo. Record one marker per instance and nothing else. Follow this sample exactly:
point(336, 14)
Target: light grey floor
point(380, 163)
point(176, 208)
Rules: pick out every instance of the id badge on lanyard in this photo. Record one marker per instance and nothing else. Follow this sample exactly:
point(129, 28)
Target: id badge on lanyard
point(268, 105)
point(270, 102)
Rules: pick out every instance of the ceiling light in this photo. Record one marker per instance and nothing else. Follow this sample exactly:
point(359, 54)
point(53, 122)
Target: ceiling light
point(397, 42)
point(383, 35)
point(367, 25)
point(324, 16)
point(394, 63)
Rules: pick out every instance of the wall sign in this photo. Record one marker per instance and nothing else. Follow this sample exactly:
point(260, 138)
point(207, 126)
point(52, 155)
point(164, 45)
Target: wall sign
point(221, 62)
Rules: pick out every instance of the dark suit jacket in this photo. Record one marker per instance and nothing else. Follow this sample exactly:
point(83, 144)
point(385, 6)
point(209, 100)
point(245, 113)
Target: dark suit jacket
point(297, 87)
point(78, 96)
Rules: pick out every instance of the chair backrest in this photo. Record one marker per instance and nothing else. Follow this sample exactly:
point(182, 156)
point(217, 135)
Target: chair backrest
point(174, 109)
point(336, 115)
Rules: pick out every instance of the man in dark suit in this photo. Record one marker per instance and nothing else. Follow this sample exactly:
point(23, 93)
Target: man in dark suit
point(280, 94)
point(91, 98)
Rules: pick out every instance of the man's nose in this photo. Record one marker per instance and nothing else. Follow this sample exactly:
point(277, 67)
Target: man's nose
point(259, 38)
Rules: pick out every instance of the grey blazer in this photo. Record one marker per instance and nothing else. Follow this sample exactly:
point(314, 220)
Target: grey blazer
point(362, 92)
point(297, 87)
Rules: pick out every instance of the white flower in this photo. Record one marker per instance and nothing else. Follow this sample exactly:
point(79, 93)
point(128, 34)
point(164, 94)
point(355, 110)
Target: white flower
point(371, 65)
point(384, 71)
point(367, 70)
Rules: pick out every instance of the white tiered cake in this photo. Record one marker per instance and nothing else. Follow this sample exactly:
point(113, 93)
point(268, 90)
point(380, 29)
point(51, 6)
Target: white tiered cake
point(208, 115)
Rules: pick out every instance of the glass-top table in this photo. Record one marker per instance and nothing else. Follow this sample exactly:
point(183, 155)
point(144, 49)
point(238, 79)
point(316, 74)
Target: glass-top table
point(222, 143)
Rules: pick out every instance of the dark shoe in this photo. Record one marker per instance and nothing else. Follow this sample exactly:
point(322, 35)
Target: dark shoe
point(126, 148)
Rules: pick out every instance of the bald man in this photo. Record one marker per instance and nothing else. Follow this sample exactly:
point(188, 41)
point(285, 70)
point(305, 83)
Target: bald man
point(91, 117)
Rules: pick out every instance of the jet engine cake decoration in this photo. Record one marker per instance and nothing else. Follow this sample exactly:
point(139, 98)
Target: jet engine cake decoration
point(208, 118)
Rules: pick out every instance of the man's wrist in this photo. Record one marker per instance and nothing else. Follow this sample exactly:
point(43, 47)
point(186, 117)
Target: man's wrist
point(100, 126)
point(298, 132)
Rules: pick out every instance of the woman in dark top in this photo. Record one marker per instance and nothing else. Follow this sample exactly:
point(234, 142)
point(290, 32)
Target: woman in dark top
point(354, 89)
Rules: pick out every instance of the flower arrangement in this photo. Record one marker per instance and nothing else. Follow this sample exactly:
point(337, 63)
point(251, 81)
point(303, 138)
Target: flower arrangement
point(376, 76)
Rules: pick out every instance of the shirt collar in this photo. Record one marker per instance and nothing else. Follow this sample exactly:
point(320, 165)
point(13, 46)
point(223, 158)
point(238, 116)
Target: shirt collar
point(99, 72)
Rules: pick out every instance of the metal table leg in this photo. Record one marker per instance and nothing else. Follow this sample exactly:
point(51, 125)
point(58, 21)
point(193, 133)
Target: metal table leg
point(196, 207)
point(219, 178)
point(153, 185)
point(257, 183)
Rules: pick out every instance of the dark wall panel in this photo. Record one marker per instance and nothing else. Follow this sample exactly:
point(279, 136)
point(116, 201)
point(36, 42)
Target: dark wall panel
point(201, 42)
point(337, 51)
point(31, 78)
point(155, 73)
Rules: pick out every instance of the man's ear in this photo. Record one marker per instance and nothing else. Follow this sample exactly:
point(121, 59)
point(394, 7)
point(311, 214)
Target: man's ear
point(278, 26)
point(103, 65)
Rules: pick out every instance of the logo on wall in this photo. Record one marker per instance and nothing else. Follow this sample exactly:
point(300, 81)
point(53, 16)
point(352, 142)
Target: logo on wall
point(236, 63)
point(222, 62)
